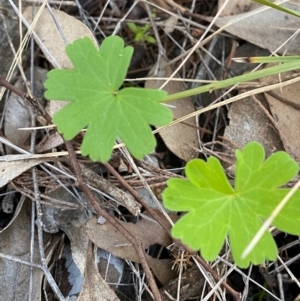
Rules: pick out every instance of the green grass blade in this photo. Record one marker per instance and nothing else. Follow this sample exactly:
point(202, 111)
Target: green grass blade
point(278, 7)
point(273, 59)
point(289, 66)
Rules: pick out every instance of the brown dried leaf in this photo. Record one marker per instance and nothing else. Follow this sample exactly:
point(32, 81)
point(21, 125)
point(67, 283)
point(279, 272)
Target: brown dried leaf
point(16, 213)
point(106, 237)
point(94, 287)
point(11, 170)
point(47, 31)
point(249, 123)
point(52, 141)
point(286, 116)
point(15, 277)
point(70, 222)
point(235, 7)
point(17, 113)
point(180, 138)
point(268, 29)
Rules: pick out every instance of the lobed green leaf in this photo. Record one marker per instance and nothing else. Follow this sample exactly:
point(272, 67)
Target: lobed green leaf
point(217, 210)
point(96, 103)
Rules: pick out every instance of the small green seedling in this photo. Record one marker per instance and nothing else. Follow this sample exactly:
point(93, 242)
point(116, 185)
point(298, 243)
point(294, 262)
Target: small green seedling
point(98, 104)
point(141, 33)
point(217, 210)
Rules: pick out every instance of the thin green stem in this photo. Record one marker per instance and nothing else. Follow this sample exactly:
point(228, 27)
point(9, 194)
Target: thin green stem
point(289, 66)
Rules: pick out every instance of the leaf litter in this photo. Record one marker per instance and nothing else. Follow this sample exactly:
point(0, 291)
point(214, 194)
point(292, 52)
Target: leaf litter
point(287, 115)
point(49, 28)
point(266, 28)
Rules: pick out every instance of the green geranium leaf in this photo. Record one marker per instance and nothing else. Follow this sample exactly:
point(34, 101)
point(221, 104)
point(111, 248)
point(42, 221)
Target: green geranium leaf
point(217, 210)
point(96, 103)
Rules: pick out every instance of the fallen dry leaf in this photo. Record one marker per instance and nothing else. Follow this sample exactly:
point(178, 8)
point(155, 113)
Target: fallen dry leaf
point(181, 139)
point(17, 113)
point(79, 242)
point(249, 123)
point(268, 29)
point(16, 213)
point(52, 141)
point(286, 116)
point(234, 7)
point(70, 278)
point(106, 237)
point(11, 170)
point(111, 268)
point(47, 31)
point(15, 277)
point(70, 222)
point(94, 287)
